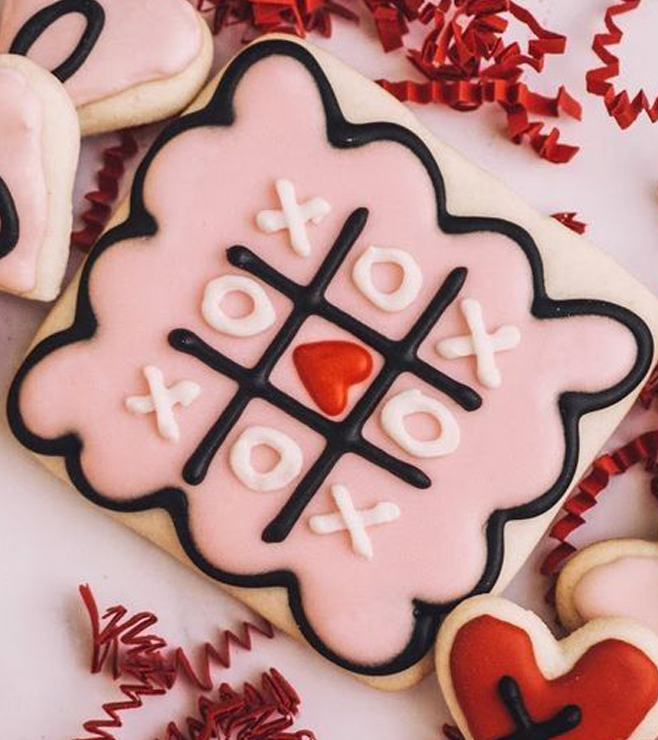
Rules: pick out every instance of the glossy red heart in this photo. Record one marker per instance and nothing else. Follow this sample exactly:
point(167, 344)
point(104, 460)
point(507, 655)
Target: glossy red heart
point(329, 369)
point(614, 684)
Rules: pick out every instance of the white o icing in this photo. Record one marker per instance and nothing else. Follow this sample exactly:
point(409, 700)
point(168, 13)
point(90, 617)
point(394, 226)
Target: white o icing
point(293, 216)
point(480, 343)
point(163, 400)
point(405, 294)
point(287, 468)
point(261, 317)
point(355, 521)
point(414, 401)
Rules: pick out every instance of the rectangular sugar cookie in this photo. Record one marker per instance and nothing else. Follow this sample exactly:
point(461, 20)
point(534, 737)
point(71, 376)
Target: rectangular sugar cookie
point(332, 364)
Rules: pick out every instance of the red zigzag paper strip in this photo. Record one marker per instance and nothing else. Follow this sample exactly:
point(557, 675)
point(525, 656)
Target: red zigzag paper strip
point(642, 449)
point(618, 103)
point(266, 16)
point(262, 714)
point(133, 652)
point(570, 220)
point(465, 35)
point(109, 179)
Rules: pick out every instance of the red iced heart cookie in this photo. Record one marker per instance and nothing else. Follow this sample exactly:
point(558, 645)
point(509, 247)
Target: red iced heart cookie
point(329, 369)
point(506, 678)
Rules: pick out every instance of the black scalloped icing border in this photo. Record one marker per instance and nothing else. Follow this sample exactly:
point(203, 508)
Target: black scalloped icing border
point(341, 134)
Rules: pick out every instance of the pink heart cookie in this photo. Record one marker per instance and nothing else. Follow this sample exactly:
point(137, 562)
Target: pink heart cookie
point(39, 145)
point(613, 578)
point(123, 63)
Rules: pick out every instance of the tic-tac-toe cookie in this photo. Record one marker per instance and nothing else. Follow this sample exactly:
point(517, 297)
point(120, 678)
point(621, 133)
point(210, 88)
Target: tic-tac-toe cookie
point(505, 677)
point(332, 364)
point(123, 63)
point(610, 578)
point(39, 146)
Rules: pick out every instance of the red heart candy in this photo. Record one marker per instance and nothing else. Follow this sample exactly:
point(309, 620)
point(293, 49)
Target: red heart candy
point(614, 684)
point(329, 369)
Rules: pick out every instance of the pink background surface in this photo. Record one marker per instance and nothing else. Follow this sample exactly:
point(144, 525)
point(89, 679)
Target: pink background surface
point(51, 540)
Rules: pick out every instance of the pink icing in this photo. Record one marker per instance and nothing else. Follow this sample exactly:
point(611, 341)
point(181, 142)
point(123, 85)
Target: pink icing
point(141, 42)
point(21, 167)
point(622, 588)
point(511, 450)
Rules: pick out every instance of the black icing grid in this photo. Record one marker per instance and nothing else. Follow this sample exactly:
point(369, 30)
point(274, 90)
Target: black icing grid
point(341, 437)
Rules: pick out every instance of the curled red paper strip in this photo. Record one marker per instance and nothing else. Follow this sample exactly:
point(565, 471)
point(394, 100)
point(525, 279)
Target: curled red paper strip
point(568, 219)
point(468, 63)
point(619, 104)
point(392, 18)
point(642, 449)
point(649, 393)
point(266, 16)
point(267, 713)
point(124, 642)
point(109, 178)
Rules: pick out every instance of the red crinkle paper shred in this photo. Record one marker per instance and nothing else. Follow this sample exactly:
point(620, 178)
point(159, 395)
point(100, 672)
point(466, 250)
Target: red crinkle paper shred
point(101, 201)
point(642, 449)
point(149, 667)
point(265, 16)
point(571, 221)
point(649, 393)
point(619, 104)
point(267, 713)
point(468, 62)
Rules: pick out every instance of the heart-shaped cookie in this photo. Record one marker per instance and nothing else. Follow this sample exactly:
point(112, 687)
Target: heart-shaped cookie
point(39, 145)
point(613, 578)
point(329, 369)
point(123, 63)
point(505, 677)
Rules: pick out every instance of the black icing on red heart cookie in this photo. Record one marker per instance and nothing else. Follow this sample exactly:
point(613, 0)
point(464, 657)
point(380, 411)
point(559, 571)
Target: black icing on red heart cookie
point(379, 506)
point(122, 62)
point(506, 678)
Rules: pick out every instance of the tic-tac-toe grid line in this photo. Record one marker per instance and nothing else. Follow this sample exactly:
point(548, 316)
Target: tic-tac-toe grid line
point(341, 437)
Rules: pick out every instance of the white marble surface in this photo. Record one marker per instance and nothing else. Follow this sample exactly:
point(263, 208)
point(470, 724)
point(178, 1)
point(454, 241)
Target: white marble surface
point(51, 539)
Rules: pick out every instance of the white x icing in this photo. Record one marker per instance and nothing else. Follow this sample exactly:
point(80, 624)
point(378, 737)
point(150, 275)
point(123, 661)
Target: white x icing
point(293, 216)
point(260, 318)
point(414, 401)
point(480, 343)
point(163, 400)
point(355, 521)
point(287, 468)
point(404, 295)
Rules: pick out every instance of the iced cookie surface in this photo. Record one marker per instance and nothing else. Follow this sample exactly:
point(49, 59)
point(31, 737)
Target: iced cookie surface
point(39, 145)
point(122, 62)
point(332, 382)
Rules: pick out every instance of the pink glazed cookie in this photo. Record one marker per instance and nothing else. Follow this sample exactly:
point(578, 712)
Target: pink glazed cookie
point(39, 146)
point(355, 373)
point(613, 578)
point(124, 63)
